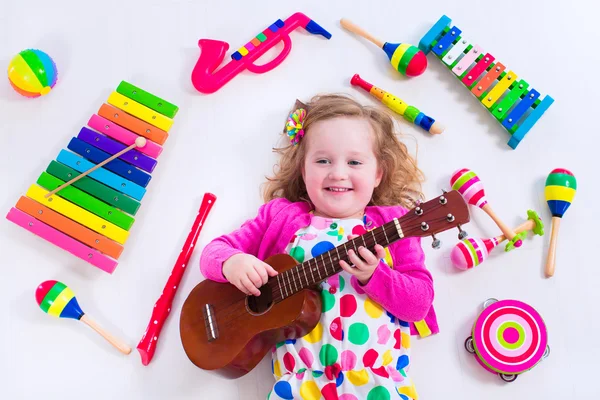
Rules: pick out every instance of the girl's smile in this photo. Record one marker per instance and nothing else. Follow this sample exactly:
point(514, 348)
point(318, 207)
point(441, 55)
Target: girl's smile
point(340, 168)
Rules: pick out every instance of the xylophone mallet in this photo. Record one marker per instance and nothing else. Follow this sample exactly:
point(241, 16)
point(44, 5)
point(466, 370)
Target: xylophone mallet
point(139, 142)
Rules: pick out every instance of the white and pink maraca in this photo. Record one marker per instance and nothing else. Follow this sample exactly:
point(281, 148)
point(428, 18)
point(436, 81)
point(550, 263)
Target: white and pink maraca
point(468, 184)
point(469, 253)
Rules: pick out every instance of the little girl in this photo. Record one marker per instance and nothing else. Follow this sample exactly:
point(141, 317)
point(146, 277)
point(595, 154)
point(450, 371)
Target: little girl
point(343, 173)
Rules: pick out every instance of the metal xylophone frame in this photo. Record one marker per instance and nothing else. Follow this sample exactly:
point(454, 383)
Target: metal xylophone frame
point(91, 218)
point(504, 96)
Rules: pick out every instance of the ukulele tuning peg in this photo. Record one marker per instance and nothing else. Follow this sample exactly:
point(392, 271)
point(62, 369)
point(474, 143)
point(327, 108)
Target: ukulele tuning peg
point(437, 243)
point(444, 191)
point(461, 234)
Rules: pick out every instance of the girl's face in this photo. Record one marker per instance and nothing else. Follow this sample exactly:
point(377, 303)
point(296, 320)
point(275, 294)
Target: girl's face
point(340, 169)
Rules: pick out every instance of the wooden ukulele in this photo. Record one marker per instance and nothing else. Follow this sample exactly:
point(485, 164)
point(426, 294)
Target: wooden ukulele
point(227, 332)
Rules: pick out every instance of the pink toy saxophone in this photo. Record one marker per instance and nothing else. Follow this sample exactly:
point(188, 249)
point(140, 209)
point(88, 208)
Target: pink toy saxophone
point(206, 80)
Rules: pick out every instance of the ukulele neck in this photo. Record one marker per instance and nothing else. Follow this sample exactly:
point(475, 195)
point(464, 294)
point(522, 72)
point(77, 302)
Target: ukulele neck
point(321, 267)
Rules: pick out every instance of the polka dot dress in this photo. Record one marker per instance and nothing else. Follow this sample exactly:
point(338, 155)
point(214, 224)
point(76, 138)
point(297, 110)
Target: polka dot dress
point(357, 350)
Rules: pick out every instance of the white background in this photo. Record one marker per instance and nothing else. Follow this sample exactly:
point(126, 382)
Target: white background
point(221, 143)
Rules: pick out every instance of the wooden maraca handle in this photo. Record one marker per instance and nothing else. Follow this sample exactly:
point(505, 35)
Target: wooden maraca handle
point(122, 347)
point(360, 32)
point(139, 142)
point(503, 227)
point(550, 262)
point(525, 226)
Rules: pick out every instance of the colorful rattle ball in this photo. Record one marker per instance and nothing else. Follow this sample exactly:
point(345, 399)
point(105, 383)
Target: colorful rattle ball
point(32, 73)
point(406, 58)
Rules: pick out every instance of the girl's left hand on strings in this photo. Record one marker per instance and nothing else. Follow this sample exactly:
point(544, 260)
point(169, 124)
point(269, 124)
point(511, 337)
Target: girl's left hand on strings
point(364, 262)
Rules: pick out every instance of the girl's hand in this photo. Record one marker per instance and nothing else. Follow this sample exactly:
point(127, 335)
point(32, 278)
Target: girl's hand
point(247, 273)
point(364, 262)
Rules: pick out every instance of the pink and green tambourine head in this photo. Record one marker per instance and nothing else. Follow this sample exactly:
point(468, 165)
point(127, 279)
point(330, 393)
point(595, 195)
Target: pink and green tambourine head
point(510, 337)
point(55, 298)
point(560, 189)
point(468, 184)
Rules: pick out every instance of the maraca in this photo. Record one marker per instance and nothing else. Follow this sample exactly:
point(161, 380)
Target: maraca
point(405, 58)
point(56, 299)
point(468, 184)
point(560, 189)
point(469, 253)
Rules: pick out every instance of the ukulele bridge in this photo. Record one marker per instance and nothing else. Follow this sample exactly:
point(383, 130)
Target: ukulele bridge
point(212, 332)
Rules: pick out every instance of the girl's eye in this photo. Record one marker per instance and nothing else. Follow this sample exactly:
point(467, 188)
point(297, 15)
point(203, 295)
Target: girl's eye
point(322, 161)
point(354, 162)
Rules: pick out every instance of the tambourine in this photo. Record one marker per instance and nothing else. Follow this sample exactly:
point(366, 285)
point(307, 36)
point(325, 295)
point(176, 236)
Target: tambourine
point(508, 338)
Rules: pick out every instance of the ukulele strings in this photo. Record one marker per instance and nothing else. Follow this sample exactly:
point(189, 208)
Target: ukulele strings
point(328, 264)
point(231, 317)
point(409, 232)
point(225, 319)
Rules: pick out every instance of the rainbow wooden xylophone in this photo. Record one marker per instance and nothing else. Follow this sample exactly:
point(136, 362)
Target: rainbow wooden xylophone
point(92, 217)
point(511, 100)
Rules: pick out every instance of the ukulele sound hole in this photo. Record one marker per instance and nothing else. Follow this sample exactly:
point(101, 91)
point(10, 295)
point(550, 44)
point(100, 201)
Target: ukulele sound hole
point(260, 304)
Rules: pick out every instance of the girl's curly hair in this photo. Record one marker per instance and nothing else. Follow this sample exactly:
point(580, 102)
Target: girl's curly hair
point(401, 181)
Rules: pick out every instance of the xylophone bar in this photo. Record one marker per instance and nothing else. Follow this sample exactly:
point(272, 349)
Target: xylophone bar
point(95, 188)
point(133, 157)
point(510, 100)
point(147, 99)
point(123, 135)
point(140, 111)
point(78, 214)
point(61, 240)
point(102, 175)
point(132, 124)
point(86, 201)
point(69, 227)
point(117, 166)
point(92, 216)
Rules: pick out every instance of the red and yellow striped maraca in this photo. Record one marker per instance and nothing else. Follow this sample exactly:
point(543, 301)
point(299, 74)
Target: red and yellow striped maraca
point(56, 299)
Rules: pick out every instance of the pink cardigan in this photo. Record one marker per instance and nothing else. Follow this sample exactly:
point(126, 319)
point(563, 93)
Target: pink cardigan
point(406, 291)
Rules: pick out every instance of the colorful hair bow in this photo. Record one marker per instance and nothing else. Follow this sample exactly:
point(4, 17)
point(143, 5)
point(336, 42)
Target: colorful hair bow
point(295, 125)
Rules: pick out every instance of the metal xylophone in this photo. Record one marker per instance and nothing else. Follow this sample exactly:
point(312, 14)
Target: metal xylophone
point(92, 217)
point(512, 101)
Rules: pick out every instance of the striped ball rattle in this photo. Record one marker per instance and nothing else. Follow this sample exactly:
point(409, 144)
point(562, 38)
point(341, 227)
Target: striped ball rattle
point(32, 73)
point(560, 189)
point(470, 252)
point(57, 299)
point(509, 337)
point(405, 58)
point(468, 184)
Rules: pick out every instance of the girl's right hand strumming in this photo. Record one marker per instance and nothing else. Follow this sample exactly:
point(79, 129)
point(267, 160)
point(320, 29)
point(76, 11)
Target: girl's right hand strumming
point(247, 273)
